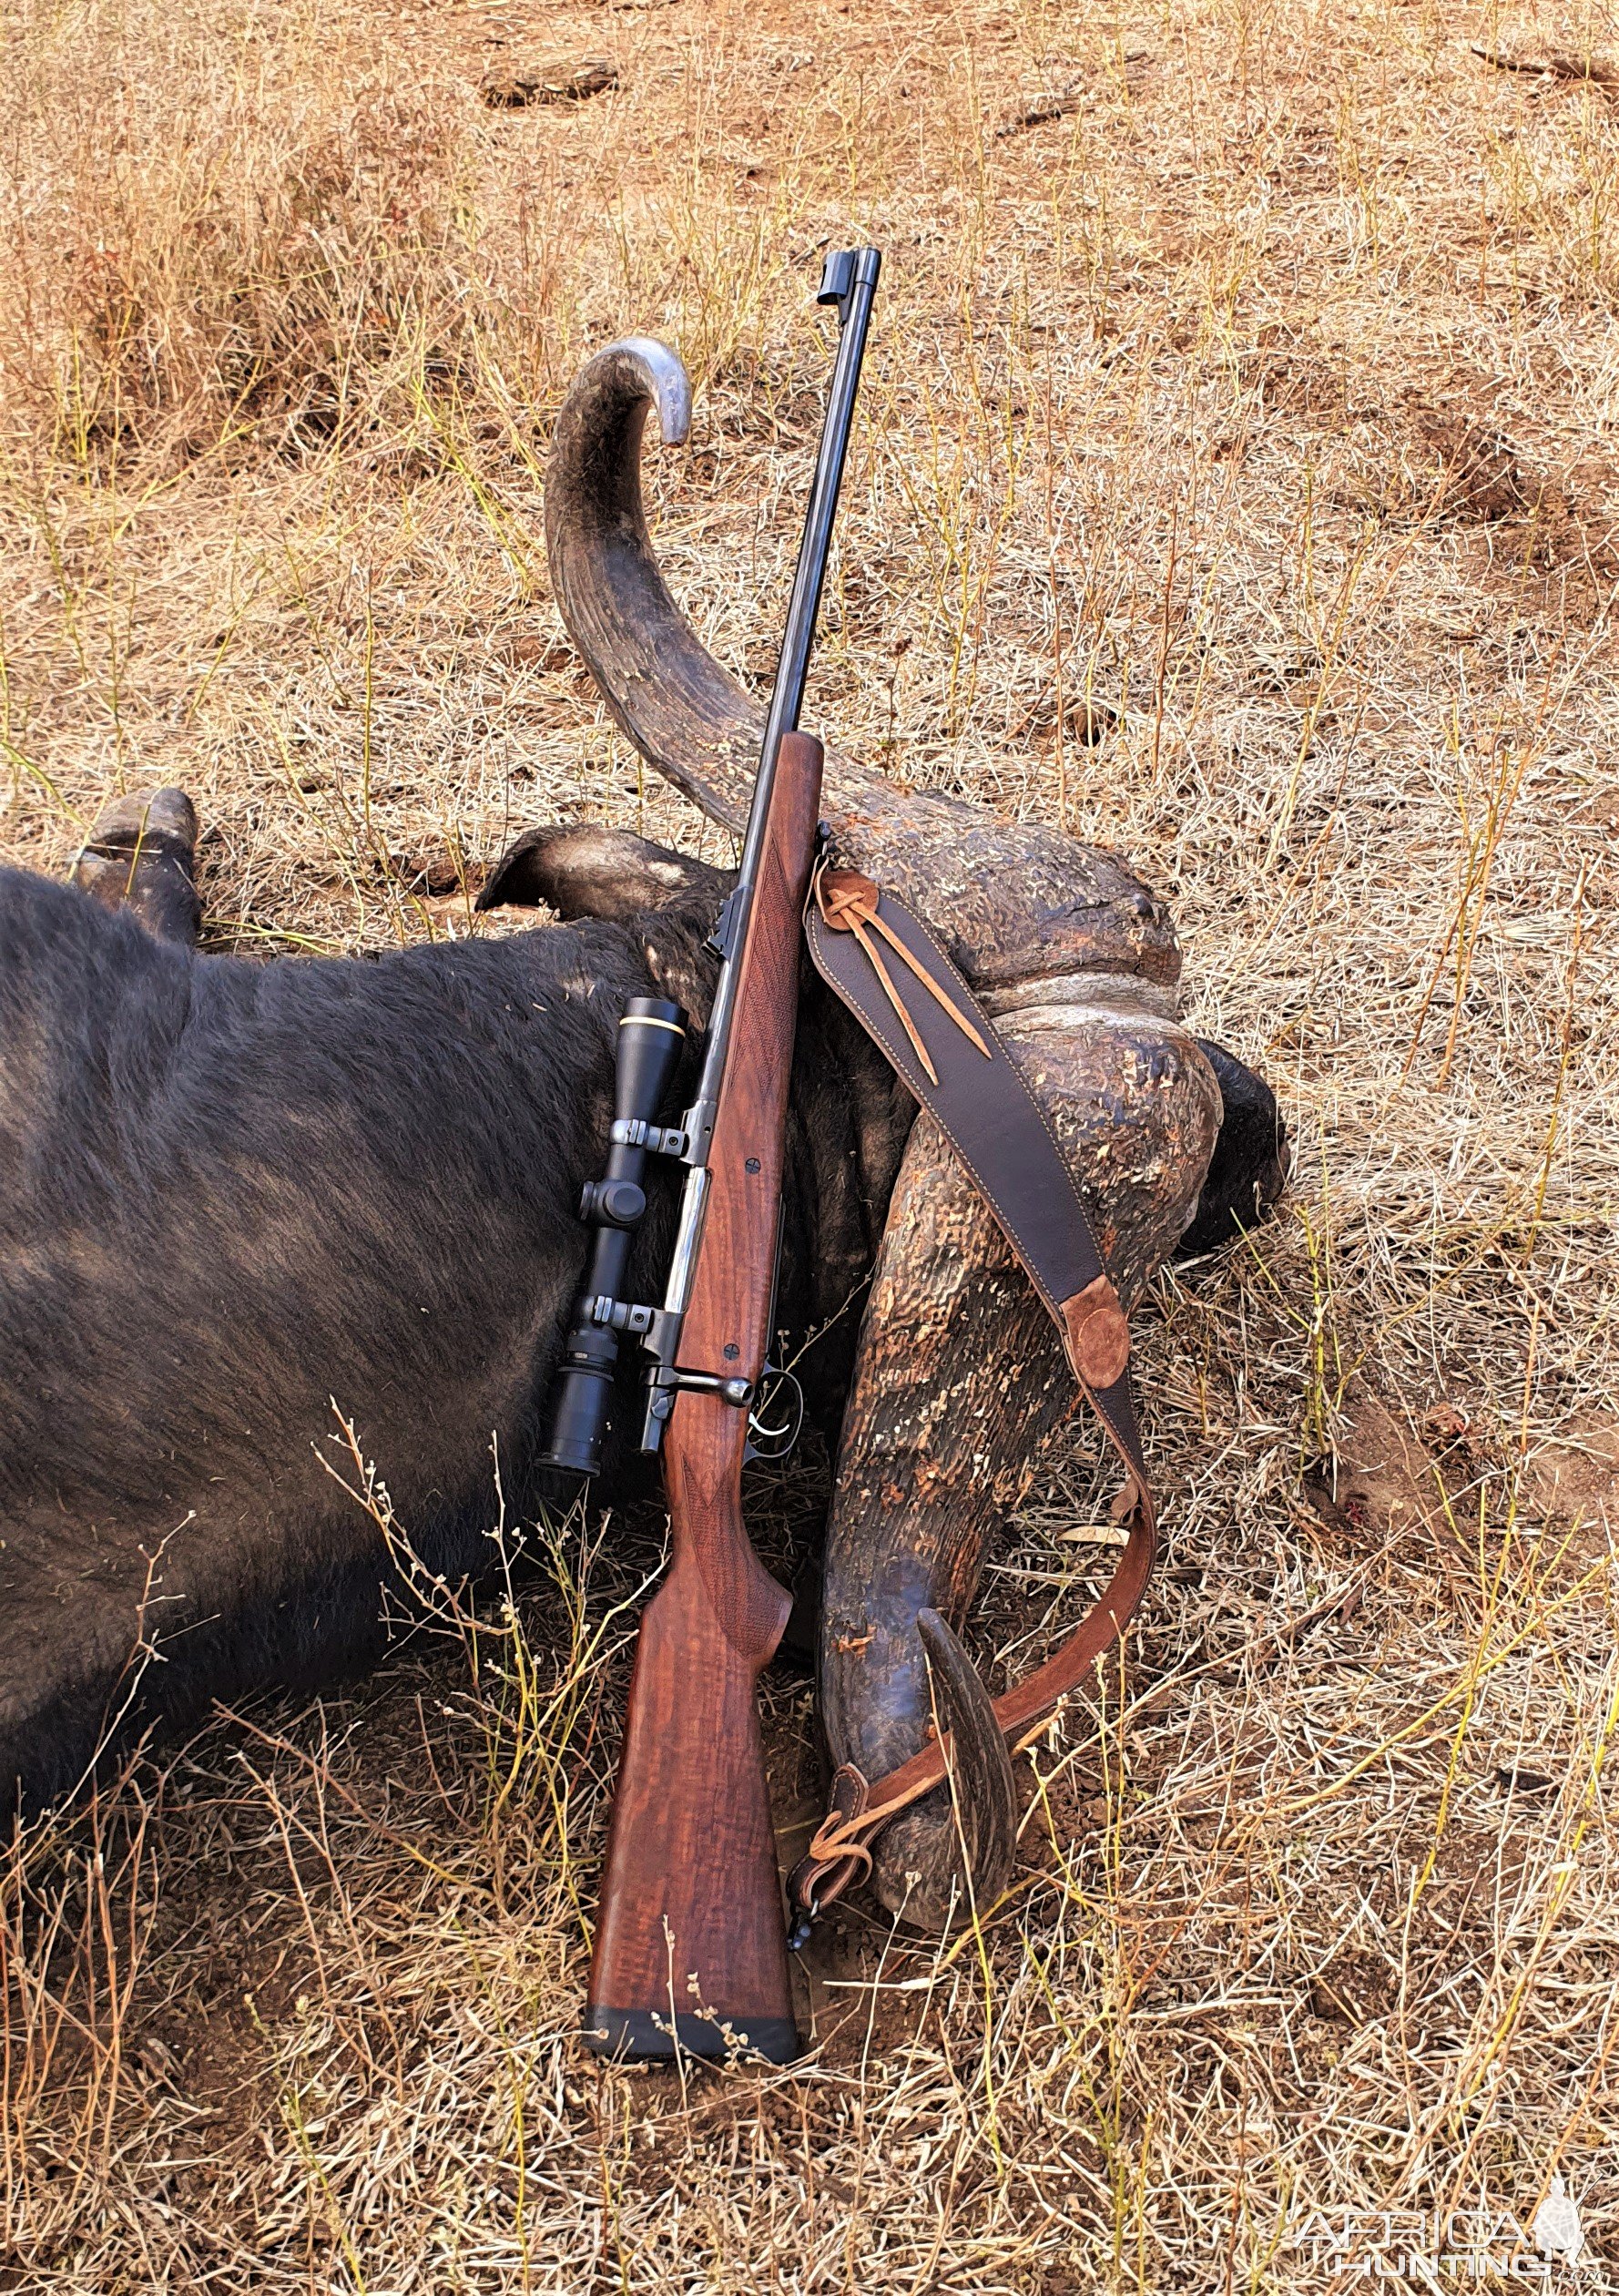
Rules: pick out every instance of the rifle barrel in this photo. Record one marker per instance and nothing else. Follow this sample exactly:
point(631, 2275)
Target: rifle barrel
point(850, 281)
point(804, 605)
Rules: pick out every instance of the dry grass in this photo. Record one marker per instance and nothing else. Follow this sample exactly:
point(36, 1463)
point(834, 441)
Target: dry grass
point(1261, 389)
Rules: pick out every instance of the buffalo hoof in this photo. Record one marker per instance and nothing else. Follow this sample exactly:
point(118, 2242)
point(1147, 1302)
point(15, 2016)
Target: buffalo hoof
point(141, 855)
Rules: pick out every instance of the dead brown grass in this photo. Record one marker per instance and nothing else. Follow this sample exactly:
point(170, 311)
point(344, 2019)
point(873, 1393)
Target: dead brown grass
point(1257, 385)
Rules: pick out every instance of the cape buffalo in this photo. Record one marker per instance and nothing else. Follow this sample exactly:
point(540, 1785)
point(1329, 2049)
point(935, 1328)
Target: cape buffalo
point(234, 1194)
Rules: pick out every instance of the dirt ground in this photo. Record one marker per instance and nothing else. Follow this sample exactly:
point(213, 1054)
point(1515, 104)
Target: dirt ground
point(1248, 371)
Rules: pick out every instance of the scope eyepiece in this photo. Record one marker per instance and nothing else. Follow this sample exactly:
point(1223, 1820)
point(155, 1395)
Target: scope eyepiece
point(651, 1037)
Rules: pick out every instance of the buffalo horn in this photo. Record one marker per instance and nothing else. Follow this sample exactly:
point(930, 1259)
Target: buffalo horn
point(1015, 900)
point(982, 1788)
point(686, 716)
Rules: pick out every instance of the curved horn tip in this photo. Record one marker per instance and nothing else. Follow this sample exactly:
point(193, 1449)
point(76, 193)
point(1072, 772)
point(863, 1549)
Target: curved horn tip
point(986, 1791)
point(666, 380)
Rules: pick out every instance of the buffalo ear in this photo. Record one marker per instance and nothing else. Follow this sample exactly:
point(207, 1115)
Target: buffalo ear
point(581, 870)
point(1252, 1156)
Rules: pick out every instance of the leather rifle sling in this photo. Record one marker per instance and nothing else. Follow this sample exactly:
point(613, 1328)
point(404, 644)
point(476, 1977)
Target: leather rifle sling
point(891, 973)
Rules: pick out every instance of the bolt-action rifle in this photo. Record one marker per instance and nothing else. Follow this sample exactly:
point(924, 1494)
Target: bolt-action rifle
point(690, 1949)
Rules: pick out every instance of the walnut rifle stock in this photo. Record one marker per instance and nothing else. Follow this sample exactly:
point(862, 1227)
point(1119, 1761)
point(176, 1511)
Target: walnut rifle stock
point(691, 1945)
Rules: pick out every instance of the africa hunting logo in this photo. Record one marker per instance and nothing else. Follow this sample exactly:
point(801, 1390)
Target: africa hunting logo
point(1447, 2248)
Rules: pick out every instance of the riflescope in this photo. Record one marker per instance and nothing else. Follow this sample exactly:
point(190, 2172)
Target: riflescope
point(650, 1037)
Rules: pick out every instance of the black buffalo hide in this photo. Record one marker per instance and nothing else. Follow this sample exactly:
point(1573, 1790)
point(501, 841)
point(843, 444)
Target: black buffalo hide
point(243, 1202)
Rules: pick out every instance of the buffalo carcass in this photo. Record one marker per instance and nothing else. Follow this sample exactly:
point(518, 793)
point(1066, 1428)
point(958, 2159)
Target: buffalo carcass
point(232, 1194)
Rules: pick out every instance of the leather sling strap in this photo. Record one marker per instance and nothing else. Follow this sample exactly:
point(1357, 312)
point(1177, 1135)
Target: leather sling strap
point(886, 966)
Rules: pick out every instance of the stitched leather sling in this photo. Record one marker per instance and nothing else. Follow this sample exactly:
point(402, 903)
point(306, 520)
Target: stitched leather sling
point(886, 966)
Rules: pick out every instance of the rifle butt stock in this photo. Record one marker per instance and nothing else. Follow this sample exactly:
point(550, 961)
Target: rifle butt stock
point(691, 1948)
